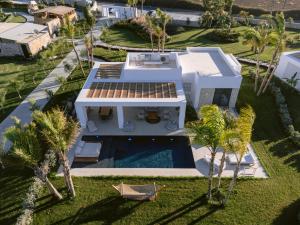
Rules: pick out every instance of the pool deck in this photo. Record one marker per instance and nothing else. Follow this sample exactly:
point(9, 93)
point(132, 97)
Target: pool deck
point(201, 170)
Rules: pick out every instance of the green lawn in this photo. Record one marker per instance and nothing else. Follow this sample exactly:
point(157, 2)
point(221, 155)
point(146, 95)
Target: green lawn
point(15, 19)
point(14, 183)
point(273, 201)
point(23, 69)
point(191, 37)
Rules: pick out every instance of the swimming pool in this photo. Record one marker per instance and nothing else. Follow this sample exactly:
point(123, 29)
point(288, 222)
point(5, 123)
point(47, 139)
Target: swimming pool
point(144, 152)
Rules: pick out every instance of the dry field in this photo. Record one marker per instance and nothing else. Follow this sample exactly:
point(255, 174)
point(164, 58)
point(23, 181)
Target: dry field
point(268, 4)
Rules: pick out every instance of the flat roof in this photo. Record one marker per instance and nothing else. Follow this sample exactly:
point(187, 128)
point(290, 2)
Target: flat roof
point(58, 10)
point(151, 60)
point(205, 63)
point(21, 32)
point(132, 90)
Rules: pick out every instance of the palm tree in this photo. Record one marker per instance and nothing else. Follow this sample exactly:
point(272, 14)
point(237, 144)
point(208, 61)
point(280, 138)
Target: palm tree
point(150, 27)
point(59, 132)
point(208, 132)
point(164, 19)
point(279, 27)
point(90, 19)
point(69, 30)
point(230, 123)
point(88, 46)
point(259, 39)
point(237, 141)
point(158, 34)
point(27, 148)
point(17, 85)
point(3, 93)
point(142, 6)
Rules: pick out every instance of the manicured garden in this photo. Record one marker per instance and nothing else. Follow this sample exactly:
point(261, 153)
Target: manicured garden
point(28, 73)
point(186, 37)
point(271, 201)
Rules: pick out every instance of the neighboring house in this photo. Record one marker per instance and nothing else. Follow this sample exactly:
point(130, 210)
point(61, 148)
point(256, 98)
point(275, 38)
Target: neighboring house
point(44, 15)
point(289, 65)
point(23, 39)
point(148, 84)
point(119, 12)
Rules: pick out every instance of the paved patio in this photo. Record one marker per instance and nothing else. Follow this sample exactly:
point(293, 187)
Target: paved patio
point(110, 127)
point(201, 167)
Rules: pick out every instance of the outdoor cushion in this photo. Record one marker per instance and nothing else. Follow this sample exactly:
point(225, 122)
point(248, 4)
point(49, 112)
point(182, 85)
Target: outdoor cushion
point(246, 160)
point(90, 150)
point(91, 126)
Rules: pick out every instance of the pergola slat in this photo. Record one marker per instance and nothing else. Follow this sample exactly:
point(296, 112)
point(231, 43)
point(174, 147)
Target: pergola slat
point(132, 90)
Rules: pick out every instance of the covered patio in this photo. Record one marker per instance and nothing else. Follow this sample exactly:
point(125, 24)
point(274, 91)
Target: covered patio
point(112, 107)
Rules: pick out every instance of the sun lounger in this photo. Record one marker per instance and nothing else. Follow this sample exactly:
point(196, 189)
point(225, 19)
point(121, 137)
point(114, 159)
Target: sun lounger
point(138, 192)
point(87, 152)
point(91, 126)
point(246, 160)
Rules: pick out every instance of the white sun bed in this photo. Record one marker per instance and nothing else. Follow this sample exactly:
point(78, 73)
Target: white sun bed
point(87, 152)
point(246, 160)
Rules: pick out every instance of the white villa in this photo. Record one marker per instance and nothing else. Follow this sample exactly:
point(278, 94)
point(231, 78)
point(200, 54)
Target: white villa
point(148, 94)
point(289, 65)
point(119, 12)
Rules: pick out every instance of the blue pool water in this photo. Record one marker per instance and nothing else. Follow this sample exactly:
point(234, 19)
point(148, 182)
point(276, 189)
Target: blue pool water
point(152, 152)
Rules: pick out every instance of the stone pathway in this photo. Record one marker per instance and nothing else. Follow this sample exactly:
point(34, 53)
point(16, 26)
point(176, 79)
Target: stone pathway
point(39, 93)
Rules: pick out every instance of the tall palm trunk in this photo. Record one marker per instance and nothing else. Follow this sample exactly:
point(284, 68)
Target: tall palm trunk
point(158, 43)
point(221, 167)
point(270, 77)
point(77, 56)
point(164, 37)
point(39, 172)
point(92, 48)
point(269, 68)
point(257, 71)
point(233, 181)
point(52, 189)
point(151, 39)
point(211, 173)
point(67, 174)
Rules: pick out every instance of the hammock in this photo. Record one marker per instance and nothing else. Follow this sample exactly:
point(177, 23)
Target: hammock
point(138, 192)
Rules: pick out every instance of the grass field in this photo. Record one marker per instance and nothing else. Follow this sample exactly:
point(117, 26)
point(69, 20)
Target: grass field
point(22, 69)
point(273, 201)
point(192, 37)
point(15, 19)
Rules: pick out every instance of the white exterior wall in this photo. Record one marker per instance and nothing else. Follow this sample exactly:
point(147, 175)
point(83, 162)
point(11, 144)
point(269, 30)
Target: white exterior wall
point(119, 12)
point(287, 67)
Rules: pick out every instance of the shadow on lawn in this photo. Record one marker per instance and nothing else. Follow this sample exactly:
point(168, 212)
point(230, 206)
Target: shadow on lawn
point(106, 211)
point(289, 215)
point(201, 201)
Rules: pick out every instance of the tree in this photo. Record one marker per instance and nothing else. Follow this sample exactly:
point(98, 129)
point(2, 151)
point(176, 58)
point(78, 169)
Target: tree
point(91, 20)
point(237, 141)
point(69, 29)
point(142, 6)
point(230, 123)
point(3, 93)
point(59, 132)
point(279, 28)
point(88, 46)
point(258, 39)
point(27, 148)
point(17, 85)
point(164, 20)
point(158, 34)
point(208, 132)
point(151, 28)
point(105, 32)
point(246, 17)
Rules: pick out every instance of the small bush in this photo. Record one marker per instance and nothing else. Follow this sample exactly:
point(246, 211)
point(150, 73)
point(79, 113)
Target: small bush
point(224, 36)
point(172, 29)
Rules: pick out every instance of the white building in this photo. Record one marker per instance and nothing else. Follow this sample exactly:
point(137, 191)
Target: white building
point(151, 87)
point(119, 12)
point(289, 64)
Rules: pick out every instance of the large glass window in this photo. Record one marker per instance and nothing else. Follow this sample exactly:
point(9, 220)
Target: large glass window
point(222, 96)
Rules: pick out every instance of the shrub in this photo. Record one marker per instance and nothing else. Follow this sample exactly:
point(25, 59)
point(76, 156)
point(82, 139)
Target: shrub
point(173, 29)
point(224, 36)
point(190, 114)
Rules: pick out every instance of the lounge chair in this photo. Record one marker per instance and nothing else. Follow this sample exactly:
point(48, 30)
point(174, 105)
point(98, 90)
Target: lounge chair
point(138, 192)
point(128, 126)
point(246, 160)
point(87, 152)
point(91, 126)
